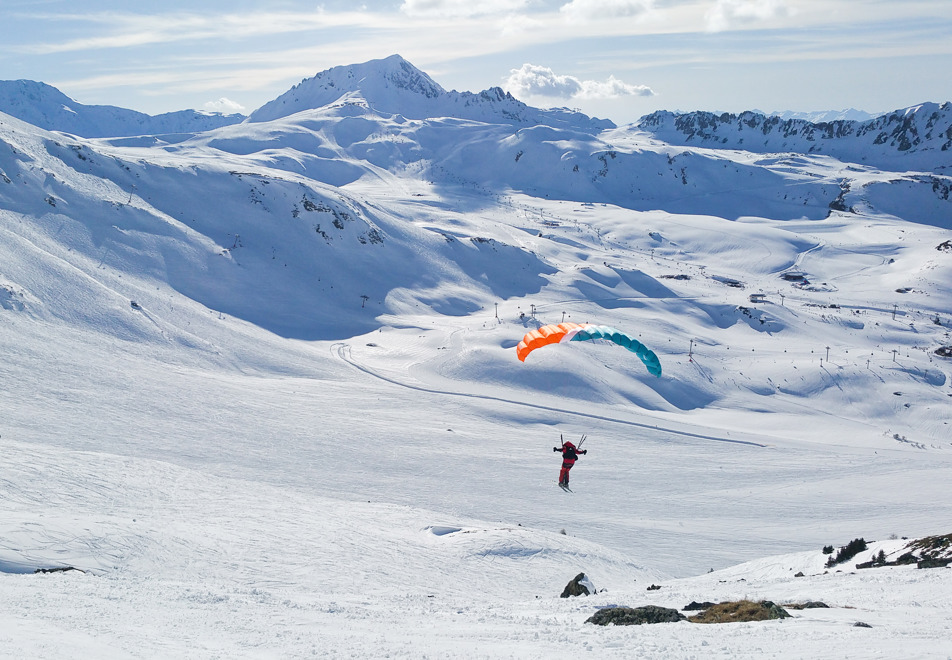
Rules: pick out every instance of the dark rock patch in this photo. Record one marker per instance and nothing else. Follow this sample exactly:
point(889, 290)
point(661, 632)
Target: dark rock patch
point(933, 563)
point(635, 616)
point(577, 587)
point(809, 605)
point(695, 606)
point(61, 569)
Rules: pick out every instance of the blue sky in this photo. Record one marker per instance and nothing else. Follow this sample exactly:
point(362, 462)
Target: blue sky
point(619, 59)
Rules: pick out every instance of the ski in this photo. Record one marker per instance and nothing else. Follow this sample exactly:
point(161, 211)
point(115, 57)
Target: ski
point(566, 489)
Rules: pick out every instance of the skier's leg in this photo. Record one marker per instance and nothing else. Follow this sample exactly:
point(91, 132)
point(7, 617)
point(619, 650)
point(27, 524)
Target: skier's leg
point(564, 476)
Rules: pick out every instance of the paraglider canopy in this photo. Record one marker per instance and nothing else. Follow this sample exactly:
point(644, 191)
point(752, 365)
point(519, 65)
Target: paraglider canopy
point(558, 333)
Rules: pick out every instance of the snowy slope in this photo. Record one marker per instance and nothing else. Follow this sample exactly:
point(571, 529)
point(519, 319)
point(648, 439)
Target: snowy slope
point(46, 107)
point(309, 435)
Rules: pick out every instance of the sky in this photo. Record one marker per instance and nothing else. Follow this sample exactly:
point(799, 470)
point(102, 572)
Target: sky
point(616, 59)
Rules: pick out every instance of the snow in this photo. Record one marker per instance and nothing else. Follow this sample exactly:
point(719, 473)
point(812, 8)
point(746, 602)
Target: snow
point(310, 435)
point(907, 139)
point(394, 86)
point(46, 107)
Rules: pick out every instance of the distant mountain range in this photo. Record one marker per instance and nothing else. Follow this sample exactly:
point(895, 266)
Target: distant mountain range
point(390, 86)
point(924, 130)
point(393, 88)
point(850, 114)
point(47, 107)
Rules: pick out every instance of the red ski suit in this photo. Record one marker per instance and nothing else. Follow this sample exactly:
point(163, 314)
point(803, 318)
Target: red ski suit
point(569, 456)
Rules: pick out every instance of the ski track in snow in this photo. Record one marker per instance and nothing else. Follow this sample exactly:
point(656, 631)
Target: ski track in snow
point(342, 350)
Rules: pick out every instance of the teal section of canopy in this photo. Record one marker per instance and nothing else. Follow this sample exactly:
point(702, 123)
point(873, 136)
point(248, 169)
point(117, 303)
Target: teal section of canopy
point(647, 356)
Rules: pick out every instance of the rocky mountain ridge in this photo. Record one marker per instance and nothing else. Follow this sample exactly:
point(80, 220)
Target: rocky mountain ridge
point(924, 130)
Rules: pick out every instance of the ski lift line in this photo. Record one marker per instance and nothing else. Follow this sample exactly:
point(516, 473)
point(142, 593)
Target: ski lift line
point(575, 303)
point(343, 352)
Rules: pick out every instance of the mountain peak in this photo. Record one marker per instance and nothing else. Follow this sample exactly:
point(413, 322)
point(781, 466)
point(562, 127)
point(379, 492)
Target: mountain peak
point(393, 86)
point(386, 85)
point(35, 102)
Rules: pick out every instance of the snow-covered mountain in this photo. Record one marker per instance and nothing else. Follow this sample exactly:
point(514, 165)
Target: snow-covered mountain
point(919, 137)
point(46, 107)
point(849, 114)
point(260, 383)
point(394, 86)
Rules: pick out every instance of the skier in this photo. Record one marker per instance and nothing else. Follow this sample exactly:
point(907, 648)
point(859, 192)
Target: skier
point(569, 455)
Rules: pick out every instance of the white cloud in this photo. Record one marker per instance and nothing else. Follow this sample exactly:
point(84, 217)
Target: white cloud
point(600, 9)
point(727, 13)
point(612, 88)
point(535, 80)
point(225, 106)
point(460, 8)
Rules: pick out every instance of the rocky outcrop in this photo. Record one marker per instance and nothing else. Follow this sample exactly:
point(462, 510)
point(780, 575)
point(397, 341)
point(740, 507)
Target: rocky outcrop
point(635, 616)
point(579, 586)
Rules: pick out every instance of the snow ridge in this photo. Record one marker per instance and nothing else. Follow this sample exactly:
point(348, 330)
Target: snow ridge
point(850, 114)
point(915, 130)
point(47, 107)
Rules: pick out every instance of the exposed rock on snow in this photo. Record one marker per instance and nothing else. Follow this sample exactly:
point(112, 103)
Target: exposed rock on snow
point(635, 616)
point(695, 606)
point(933, 563)
point(809, 605)
point(579, 586)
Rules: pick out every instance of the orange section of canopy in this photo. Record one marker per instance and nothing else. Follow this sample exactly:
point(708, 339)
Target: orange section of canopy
point(547, 334)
